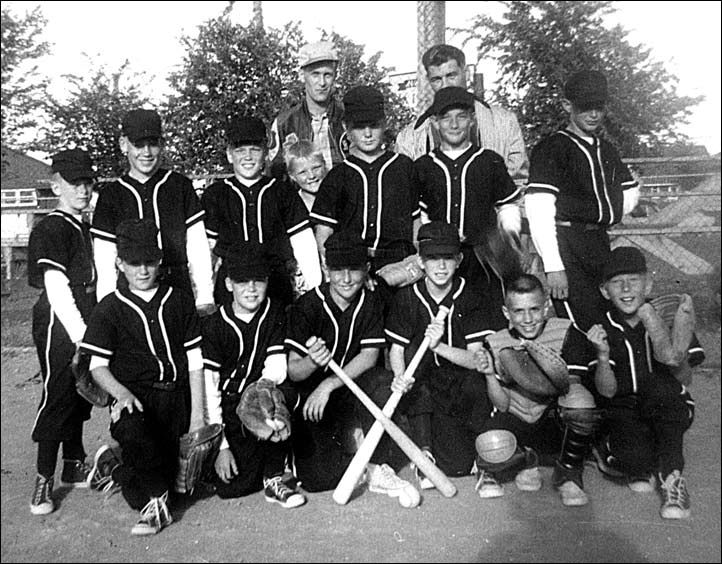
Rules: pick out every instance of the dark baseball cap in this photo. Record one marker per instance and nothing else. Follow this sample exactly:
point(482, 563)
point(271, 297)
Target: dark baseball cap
point(345, 250)
point(73, 165)
point(624, 260)
point(363, 104)
point(246, 130)
point(137, 241)
point(586, 89)
point(438, 238)
point(451, 97)
point(247, 262)
point(142, 124)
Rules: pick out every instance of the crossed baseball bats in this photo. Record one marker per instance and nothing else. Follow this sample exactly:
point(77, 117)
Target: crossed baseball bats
point(348, 482)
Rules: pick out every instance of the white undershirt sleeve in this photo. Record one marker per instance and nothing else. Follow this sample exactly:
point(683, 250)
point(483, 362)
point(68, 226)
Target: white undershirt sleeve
point(63, 303)
point(195, 359)
point(104, 254)
point(541, 210)
point(213, 401)
point(306, 252)
point(97, 362)
point(199, 263)
point(274, 368)
point(631, 199)
point(508, 218)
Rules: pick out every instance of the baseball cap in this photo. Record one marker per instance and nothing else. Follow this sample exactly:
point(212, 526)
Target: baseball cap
point(246, 130)
point(586, 89)
point(247, 262)
point(624, 260)
point(438, 238)
point(317, 52)
point(137, 241)
point(451, 97)
point(345, 250)
point(73, 165)
point(363, 104)
point(142, 124)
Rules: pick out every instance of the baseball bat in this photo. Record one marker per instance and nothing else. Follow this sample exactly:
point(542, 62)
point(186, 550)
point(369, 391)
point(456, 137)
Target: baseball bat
point(437, 477)
point(350, 478)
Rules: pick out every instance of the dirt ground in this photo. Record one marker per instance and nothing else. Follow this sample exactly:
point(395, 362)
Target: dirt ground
point(617, 526)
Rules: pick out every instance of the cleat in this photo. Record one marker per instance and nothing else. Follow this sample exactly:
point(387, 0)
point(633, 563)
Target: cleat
point(572, 494)
point(382, 479)
point(276, 491)
point(529, 480)
point(676, 498)
point(42, 500)
point(487, 486)
point(75, 474)
point(100, 476)
point(153, 517)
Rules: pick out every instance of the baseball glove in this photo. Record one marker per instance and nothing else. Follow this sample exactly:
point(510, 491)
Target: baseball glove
point(667, 306)
point(263, 411)
point(402, 273)
point(536, 368)
point(196, 449)
point(84, 383)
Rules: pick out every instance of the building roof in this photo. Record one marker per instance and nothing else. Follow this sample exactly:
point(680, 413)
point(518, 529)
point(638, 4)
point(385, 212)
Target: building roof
point(20, 171)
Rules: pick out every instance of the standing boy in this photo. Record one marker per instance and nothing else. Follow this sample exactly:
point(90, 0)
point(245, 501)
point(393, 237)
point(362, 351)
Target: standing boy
point(339, 320)
point(145, 342)
point(647, 403)
point(252, 208)
point(243, 345)
point(164, 197)
point(468, 186)
point(446, 401)
point(60, 261)
point(578, 188)
point(525, 396)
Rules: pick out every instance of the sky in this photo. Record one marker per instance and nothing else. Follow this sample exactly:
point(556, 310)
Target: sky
point(684, 36)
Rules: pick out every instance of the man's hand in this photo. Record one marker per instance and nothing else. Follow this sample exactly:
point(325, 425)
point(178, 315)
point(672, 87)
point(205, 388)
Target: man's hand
point(402, 384)
point(318, 351)
point(225, 465)
point(316, 403)
point(434, 332)
point(558, 284)
point(598, 337)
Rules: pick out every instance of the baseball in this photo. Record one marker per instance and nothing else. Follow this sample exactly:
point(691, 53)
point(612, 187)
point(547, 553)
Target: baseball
point(409, 497)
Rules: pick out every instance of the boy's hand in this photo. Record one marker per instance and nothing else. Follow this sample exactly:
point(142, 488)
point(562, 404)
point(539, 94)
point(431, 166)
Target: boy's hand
point(558, 284)
point(316, 403)
point(598, 337)
point(206, 309)
point(402, 384)
point(482, 362)
point(371, 284)
point(318, 351)
point(125, 400)
point(434, 332)
point(225, 465)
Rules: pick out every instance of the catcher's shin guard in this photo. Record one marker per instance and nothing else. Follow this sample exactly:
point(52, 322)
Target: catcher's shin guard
point(579, 427)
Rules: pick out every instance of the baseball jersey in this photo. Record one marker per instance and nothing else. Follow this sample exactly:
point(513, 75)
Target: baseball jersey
point(62, 242)
point(632, 360)
point(167, 198)
point(464, 191)
point(376, 201)
point(269, 212)
point(413, 309)
point(587, 178)
point(237, 349)
point(145, 342)
point(346, 332)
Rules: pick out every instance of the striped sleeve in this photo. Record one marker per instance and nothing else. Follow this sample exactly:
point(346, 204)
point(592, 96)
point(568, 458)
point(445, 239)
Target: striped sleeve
point(324, 207)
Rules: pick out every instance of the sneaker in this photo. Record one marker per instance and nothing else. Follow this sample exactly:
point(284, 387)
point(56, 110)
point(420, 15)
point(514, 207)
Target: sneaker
point(382, 479)
point(605, 460)
point(424, 482)
point(572, 494)
point(42, 500)
point(487, 486)
point(529, 480)
point(100, 476)
point(153, 517)
point(642, 484)
point(75, 474)
point(676, 498)
point(276, 491)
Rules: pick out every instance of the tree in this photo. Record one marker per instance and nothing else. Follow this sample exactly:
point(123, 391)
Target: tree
point(22, 89)
point(91, 115)
point(539, 44)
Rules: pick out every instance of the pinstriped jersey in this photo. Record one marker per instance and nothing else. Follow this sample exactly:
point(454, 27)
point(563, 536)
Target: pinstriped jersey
point(345, 332)
point(413, 309)
point(145, 341)
point(632, 360)
point(588, 179)
point(167, 198)
point(267, 212)
point(238, 349)
point(464, 191)
point(376, 201)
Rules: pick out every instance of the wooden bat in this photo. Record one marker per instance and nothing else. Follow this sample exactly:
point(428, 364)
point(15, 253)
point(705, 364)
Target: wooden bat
point(350, 478)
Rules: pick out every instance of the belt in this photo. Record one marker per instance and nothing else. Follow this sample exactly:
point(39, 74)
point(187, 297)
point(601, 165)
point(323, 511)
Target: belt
point(582, 226)
point(384, 253)
point(87, 288)
point(167, 386)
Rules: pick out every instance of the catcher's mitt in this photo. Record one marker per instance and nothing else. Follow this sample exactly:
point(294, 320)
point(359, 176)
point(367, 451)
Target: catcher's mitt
point(84, 383)
point(402, 273)
point(196, 449)
point(263, 411)
point(535, 367)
